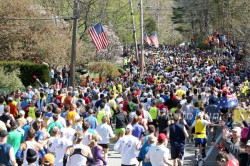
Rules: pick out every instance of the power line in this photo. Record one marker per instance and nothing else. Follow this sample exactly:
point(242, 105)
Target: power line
point(34, 19)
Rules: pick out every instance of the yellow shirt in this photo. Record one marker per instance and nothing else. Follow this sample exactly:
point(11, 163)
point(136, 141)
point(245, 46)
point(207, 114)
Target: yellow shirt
point(200, 129)
point(71, 116)
point(180, 93)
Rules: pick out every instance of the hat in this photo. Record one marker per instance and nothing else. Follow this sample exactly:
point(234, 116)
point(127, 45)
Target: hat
point(46, 84)
point(158, 96)
point(48, 159)
point(129, 127)
point(163, 110)
point(161, 137)
point(29, 119)
point(248, 143)
point(22, 112)
point(3, 133)
point(10, 99)
point(237, 129)
point(31, 155)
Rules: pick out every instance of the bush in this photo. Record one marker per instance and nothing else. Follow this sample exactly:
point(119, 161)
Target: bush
point(27, 71)
point(10, 81)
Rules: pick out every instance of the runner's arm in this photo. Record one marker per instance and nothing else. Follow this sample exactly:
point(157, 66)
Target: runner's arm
point(12, 157)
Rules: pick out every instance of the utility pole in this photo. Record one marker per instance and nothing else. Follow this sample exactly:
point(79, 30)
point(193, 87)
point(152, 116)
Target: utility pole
point(158, 8)
point(134, 30)
point(142, 42)
point(73, 48)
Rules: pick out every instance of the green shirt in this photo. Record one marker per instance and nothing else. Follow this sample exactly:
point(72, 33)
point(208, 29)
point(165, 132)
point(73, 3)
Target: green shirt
point(51, 125)
point(153, 111)
point(100, 114)
point(15, 139)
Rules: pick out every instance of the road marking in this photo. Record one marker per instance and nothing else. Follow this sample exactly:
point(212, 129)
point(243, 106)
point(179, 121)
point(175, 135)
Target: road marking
point(211, 148)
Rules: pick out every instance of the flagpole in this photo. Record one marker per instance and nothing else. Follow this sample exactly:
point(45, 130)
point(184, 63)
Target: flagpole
point(142, 54)
point(73, 48)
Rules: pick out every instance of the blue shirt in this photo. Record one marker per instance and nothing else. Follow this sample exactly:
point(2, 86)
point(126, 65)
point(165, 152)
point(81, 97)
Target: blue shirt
point(137, 131)
point(26, 129)
point(92, 121)
point(142, 155)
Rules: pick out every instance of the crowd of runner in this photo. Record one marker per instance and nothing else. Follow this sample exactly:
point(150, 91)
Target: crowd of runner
point(181, 93)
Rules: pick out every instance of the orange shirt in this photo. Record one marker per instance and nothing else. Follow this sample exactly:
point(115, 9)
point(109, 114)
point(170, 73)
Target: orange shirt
point(13, 109)
point(68, 100)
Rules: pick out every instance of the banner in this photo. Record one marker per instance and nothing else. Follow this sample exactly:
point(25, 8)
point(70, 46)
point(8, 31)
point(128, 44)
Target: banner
point(237, 112)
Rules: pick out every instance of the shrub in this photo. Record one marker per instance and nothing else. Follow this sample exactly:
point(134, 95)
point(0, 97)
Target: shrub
point(27, 71)
point(10, 81)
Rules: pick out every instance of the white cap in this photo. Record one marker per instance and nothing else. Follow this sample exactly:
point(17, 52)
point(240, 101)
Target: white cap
point(129, 127)
point(22, 112)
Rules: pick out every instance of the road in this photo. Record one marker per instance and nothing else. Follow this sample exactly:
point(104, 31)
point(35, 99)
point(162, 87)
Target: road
point(114, 159)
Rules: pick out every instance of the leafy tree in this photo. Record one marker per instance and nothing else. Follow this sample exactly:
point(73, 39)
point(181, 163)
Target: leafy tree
point(34, 40)
point(10, 81)
point(150, 25)
point(104, 69)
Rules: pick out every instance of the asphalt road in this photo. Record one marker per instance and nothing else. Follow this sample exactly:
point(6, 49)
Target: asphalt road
point(114, 159)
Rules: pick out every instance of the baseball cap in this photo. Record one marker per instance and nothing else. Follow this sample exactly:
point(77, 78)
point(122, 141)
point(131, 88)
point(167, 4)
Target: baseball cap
point(3, 133)
point(237, 129)
point(48, 159)
point(161, 137)
point(248, 143)
point(31, 155)
point(163, 110)
point(22, 112)
point(29, 119)
point(129, 127)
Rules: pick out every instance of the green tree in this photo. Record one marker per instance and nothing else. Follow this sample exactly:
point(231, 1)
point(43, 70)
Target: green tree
point(33, 40)
point(104, 69)
point(150, 26)
point(10, 81)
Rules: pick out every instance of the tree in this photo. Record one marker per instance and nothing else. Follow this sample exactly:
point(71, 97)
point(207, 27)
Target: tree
point(10, 81)
point(33, 40)
point(104, 69)
point(150, 26)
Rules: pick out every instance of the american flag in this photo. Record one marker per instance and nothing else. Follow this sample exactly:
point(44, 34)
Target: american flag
point(154, 39)
point(98, 36)
point(147, 39)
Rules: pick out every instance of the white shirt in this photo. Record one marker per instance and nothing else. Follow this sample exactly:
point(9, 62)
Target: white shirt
point(59, 147)
point(69, 132)
point(127, 147)
point(105, 131)
point(60, 120)
point(147, 116)
point(157, 154)
point(1, 109)
point(203, 122)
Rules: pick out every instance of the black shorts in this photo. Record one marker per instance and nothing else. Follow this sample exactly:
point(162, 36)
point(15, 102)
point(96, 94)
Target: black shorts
point(177, 150)
point(154, 123)
point(104, 146)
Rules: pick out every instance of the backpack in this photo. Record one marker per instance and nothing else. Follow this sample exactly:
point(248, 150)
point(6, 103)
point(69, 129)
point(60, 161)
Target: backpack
point(244, 134)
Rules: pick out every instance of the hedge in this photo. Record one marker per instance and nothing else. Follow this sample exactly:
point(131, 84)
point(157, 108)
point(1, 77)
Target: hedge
point(28, 70)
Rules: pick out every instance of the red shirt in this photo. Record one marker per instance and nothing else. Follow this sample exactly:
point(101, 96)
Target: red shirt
point(87, 100)
point(150, 80)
